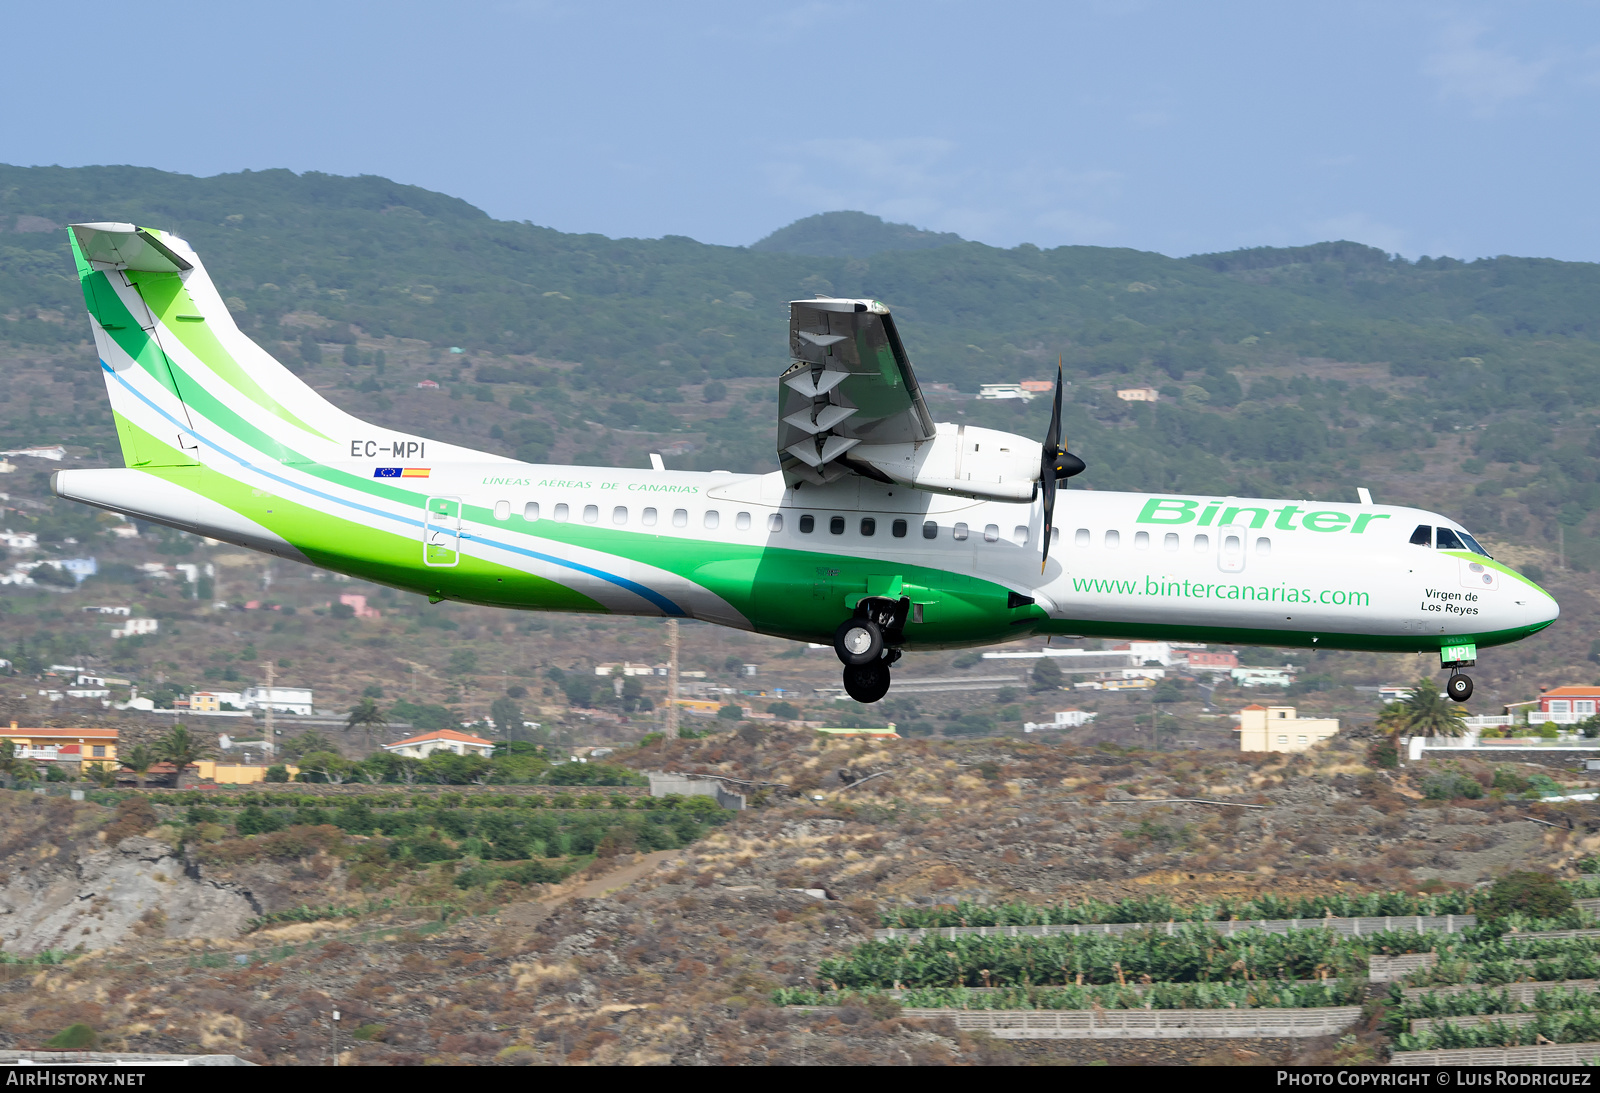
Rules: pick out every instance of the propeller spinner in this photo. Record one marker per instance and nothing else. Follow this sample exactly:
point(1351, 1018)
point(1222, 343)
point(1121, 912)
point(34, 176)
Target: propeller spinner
point(1055, 463)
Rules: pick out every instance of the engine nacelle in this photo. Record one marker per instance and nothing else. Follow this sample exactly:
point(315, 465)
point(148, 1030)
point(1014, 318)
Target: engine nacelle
point(961, 459)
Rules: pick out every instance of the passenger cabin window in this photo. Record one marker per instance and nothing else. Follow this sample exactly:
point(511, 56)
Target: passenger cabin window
point(712, 519)
point(1448, 541)
point(991, 533)
point(959, 533)
point(502, 510)
point(741, 522)
point(1423, 536)
point(898, 529)
point(1055, 536)
point(1202, 544)
point(836, 525)
point(1141, 540)
point(648, 518)
point(1019, 535)
point(619, 515)
point(930, 529)
point(591, 514)
point(1080, 538)
point(1263, 546)
point(680, 518)
point(869, 526)
point(775, 521)
point(1169, 542)
point(561, 513)
point(530, 511)
point(808, 524)
point(1113, 540)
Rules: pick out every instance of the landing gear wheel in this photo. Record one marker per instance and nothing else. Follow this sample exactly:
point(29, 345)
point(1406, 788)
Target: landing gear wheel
point(1459, 687)
point(858, 642)
point(867, 682)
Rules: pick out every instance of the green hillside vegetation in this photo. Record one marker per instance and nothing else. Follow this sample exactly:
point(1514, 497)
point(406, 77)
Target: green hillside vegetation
point(1467, 386)
point(851, 235)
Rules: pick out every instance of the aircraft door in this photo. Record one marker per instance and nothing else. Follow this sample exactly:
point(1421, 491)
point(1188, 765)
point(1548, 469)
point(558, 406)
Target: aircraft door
point(1230, 552)
point(441, 532)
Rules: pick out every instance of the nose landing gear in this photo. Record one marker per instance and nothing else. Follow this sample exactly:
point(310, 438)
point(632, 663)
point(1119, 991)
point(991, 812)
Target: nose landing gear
point(1455, 658)
point(865, 645)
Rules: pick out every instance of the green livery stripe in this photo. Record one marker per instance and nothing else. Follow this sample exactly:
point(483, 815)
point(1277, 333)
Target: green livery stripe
point(168, 300)
point(1304, 639)
point(1468, 556)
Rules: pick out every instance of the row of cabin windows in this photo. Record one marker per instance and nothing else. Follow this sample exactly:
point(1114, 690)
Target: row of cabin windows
point(1171, 542)
point(807, 524)
point(1446, 539)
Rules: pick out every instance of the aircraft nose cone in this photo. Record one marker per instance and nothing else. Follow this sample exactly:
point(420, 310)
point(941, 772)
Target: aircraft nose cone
point(1540, 608)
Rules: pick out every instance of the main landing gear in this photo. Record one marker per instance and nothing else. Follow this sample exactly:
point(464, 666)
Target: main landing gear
point(866, 645)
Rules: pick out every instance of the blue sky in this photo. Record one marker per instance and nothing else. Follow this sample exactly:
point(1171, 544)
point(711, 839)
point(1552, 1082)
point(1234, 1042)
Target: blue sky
point(1422, 128)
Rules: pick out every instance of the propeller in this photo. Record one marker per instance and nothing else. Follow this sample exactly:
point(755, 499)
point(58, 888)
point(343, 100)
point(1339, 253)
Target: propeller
point(1055, 462)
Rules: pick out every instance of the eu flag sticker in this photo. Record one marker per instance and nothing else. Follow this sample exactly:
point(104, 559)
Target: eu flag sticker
point(386, 472)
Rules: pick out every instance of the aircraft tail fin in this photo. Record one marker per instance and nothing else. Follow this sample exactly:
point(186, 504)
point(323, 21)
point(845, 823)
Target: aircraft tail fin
point(181, 375)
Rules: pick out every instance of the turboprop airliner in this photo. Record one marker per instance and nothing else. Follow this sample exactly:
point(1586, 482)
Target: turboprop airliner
point(882, 531)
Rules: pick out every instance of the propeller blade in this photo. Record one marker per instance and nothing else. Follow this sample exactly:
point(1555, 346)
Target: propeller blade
point(1050, 454)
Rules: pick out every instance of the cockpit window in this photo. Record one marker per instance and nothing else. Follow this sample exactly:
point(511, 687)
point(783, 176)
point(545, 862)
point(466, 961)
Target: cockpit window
point(1448, 540)
point(1423, 536)
point(1473, 544)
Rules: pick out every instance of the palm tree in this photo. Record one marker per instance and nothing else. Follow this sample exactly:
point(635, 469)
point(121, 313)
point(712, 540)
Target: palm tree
point(1426, 712)
point(180, 747)
point(139, 759)
point(366, 716)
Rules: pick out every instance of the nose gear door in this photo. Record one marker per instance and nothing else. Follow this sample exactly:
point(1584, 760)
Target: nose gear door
point(441, 532)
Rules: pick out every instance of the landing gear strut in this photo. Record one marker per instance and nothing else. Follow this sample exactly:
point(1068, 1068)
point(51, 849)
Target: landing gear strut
point(865, 644)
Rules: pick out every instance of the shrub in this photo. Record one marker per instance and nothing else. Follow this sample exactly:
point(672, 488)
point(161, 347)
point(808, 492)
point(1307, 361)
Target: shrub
point(1538, 895)
point(277, 773)
point(1549, 730)
point(134, 817)
point(1447, 785)
point(78, 1037)
point(254, 820)
point(1384, 755)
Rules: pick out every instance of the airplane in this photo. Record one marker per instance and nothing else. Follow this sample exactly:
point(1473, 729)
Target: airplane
point(881, 532)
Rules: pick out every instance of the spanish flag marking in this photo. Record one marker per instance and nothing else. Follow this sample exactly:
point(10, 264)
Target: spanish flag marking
point(400, 472)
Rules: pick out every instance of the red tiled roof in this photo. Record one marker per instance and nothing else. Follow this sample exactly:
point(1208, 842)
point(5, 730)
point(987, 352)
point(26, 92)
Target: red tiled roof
point(1253, 706)
point(444, 734)
point(74, 734)
point(1563, 692)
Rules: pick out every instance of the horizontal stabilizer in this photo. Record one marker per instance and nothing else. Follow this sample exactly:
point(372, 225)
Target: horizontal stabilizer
point(125, 246)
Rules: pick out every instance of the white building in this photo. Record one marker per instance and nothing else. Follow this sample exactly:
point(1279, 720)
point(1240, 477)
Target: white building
point(136, 627)
point(57, 452)
point(1065, 719)
point(293, 700)
point(1262, 677)
point(1004, 390)
point(107, 610)
point(420, 747)
point(19, 540)
point(1139, 394)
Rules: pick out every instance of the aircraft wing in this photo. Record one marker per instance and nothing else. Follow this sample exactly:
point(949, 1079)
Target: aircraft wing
point(850, 383)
